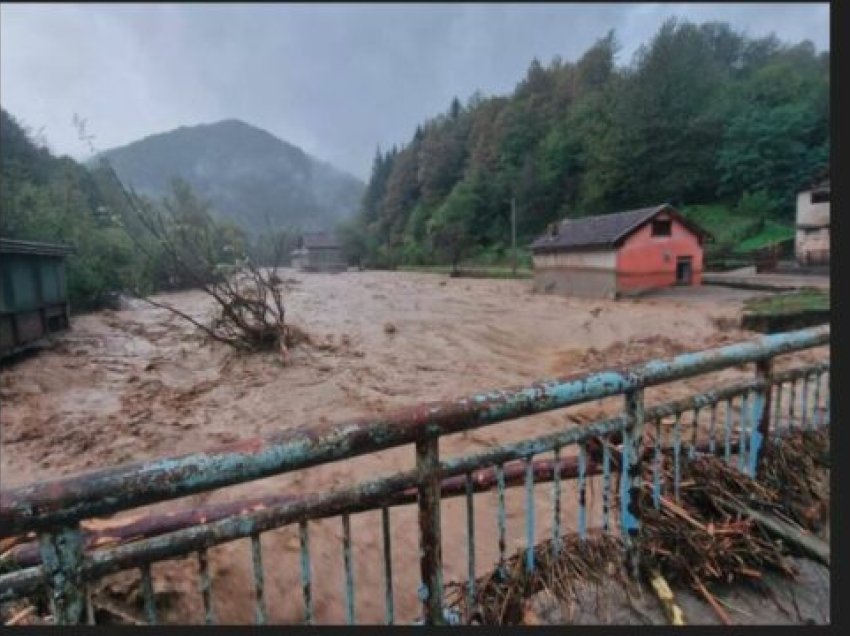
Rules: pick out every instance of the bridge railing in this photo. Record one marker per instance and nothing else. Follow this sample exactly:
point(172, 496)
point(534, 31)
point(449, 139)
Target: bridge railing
point(62, 563)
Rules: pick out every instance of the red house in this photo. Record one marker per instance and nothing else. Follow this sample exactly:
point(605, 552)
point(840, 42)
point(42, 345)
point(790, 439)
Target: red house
point(613, 255)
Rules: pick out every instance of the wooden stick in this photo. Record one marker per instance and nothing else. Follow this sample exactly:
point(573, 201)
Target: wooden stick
point(17, 618)
point(708, 596)
point(810, 545)
point(10, 542)
point(117, 611)
point(680, 512)
point(665, 595)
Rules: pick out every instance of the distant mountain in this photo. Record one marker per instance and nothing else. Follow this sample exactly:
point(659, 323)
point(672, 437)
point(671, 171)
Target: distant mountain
point(248, 175)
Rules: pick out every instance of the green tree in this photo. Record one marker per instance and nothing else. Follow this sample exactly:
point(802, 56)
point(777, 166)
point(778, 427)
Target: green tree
point(451, 226)
point(702, 114)
point(779, 137)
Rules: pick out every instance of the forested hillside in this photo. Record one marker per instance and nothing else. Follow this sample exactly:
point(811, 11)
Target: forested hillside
point(702, 116)
point(57, 200)
point(248, 175)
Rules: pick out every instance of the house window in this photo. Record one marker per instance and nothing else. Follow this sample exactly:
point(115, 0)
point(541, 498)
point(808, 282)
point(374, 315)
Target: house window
point(661, 228)
point(820, 196)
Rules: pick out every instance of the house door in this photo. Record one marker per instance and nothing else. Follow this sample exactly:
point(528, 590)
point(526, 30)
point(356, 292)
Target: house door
point(683, 270)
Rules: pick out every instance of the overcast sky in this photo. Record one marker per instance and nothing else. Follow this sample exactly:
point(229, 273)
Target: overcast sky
point(336, 80)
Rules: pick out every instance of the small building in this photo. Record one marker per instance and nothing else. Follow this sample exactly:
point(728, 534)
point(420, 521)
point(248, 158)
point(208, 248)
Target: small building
point(620, 254)
point(33, 294)
point(318, 252)
point(811, 244)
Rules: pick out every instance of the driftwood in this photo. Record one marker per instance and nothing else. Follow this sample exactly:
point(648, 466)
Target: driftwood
point(808, 544)
point(699, 539)
point(722, 528)
point(709, 597)
point(17, 618)
point(250, 313)
point(665, 596)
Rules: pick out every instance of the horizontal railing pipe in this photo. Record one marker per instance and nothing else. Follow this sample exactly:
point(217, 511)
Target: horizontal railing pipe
point(27, 581)
point(153, 525)
point(66, 500)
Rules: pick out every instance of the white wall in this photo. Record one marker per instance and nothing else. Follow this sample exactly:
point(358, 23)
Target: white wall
point(602, 259)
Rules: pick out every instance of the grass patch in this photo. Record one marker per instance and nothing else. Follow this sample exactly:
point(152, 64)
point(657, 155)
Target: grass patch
point(736, 236)
point(769, 235)
point(728, 228)
point(792, 303)
point(786, 312)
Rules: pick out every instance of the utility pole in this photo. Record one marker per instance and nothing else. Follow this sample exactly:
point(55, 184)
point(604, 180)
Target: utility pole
point(513, 234)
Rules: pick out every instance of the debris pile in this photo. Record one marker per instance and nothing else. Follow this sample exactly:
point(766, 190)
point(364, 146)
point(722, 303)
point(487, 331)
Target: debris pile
point(702, 536)
point(724, 528)
point(797, 470)
point(500, 595)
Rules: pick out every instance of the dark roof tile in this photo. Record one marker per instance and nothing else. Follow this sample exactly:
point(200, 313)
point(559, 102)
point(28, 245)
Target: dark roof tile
point(593, 231)
point(11, 246)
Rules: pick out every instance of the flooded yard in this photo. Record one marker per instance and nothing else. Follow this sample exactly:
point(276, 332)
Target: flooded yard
point(140, 383)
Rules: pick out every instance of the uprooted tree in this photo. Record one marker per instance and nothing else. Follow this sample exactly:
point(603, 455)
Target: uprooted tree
point(186, 247)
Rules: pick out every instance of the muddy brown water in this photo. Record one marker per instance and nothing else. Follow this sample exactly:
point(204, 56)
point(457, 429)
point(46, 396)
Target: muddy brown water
point(139, 383)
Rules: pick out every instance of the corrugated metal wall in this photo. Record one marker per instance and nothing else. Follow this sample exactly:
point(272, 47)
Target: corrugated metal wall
point(33, 298)
point(30, 281)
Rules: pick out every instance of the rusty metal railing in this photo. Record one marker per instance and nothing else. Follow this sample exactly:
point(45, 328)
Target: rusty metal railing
point(63, 563)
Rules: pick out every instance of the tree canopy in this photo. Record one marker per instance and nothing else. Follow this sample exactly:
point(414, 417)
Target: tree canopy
point(701, 115)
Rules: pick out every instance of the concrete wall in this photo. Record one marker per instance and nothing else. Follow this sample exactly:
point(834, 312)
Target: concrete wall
point(584, 274)
point(811, 246)
point(809, 213)
point(811, 243)
point(647, 262)
point(602, 259)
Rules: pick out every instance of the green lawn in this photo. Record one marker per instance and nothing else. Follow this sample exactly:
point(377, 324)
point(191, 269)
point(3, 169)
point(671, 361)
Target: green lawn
point(771, 233)
point(790, 303)
point(721, 221)
point(735, 236)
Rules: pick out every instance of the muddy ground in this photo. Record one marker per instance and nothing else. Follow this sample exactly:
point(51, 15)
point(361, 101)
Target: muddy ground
point(773, 600)
point(139, 383)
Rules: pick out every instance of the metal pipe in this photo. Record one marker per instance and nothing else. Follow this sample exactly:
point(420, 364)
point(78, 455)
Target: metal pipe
point(388, 565)
point(430, 552)
point(349, 569)
point(630, 475)
point(206, 586)
point(306, 575)
point(149, 526)
point(259, 587)
point(27, 581)
point(62, 555)
point(556, 504)
point(761, 416)
point(529, 515)
point(44, 504)
point(147, 593)
point(470, 538)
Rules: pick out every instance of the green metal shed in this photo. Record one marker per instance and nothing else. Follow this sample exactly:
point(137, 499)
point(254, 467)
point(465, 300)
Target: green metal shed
point(33, 295)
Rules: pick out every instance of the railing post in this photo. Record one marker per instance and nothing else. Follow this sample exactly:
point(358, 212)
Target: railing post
point(761, 415)
point(62, 559)
point(430, 558)
point(630, 477)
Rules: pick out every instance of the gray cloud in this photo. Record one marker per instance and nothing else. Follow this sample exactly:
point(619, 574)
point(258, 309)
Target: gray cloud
point(336, 80)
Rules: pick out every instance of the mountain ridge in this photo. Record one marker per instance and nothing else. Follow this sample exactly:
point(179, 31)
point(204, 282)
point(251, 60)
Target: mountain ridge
point(248, 175)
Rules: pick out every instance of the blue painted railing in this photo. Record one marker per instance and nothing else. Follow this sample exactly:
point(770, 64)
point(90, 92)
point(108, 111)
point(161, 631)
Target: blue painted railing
point(62, 564)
